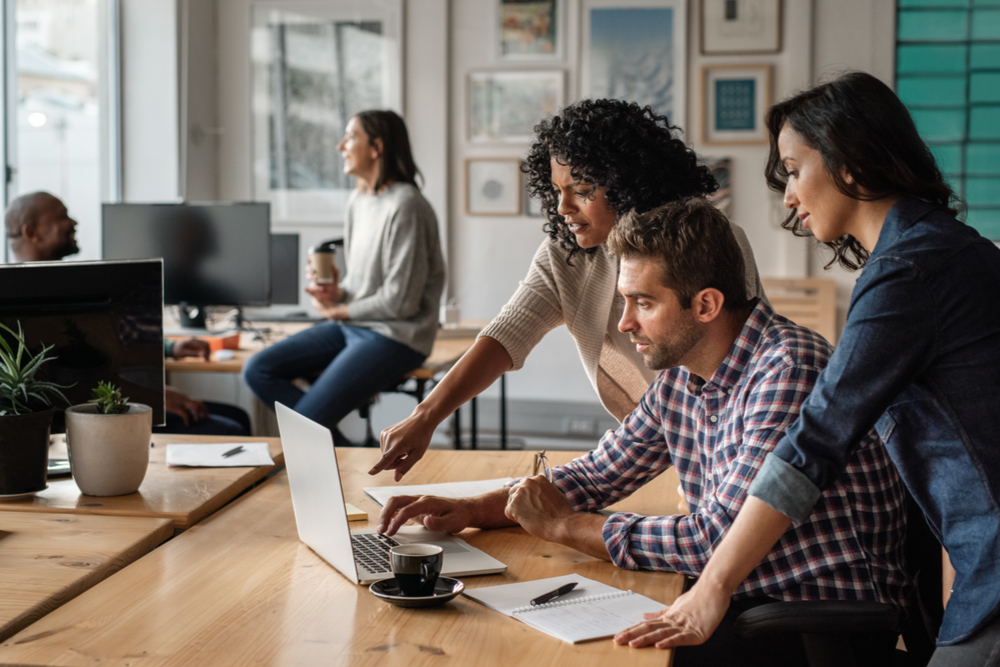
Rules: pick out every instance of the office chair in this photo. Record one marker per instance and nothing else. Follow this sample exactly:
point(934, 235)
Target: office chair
point(825, 626)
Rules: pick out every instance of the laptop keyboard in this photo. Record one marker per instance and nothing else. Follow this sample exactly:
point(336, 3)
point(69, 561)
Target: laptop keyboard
point(371, 550)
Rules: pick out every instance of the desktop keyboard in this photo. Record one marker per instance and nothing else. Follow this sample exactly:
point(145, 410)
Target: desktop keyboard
point(372, 551)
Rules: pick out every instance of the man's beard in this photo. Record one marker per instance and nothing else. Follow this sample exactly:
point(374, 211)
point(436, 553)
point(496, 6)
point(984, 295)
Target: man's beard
point(668, 353)
point(65, 249)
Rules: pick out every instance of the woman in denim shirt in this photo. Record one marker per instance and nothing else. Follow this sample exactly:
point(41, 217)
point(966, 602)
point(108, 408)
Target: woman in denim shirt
point(919, 359)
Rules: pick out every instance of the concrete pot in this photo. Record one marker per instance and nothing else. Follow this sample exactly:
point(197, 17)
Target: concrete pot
point(108, 454)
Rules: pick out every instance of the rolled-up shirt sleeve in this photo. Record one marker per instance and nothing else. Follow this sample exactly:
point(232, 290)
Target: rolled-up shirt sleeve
point(890, 338)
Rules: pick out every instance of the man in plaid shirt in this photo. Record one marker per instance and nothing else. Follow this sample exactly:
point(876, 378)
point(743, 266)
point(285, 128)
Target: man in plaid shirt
point(736, 374)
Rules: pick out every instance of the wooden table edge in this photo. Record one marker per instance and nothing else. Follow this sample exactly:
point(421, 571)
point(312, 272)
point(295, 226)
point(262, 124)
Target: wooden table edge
point(140, 548)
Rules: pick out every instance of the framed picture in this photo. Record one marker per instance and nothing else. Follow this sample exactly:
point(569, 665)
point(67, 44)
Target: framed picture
point(636, 50)
point(529, 29)
point(314, 65)
point(506, 106)
point(722, 169)
point(740, 26)
point(492, 186)
point(734, 101)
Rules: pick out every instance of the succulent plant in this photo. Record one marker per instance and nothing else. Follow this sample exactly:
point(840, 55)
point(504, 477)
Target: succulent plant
point(109, 399)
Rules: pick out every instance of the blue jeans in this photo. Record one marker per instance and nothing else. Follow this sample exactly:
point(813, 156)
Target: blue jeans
point(354, 364)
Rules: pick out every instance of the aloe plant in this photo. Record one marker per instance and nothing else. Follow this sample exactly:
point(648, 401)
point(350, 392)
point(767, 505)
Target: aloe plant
point(21, 391)
point(109, 399)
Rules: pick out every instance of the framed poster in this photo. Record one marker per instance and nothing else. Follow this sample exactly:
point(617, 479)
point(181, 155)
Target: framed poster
point(529, 29)
point(506, 106)
point(740, 26)
point(734, 101)
point(314, 65)
point(636, 50)
point(492, 186)
point(722, 170)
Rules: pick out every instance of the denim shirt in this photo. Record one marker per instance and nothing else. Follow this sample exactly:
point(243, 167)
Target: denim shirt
point(920, 360)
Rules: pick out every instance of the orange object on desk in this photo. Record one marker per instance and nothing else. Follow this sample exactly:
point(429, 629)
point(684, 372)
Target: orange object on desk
point(215, 343)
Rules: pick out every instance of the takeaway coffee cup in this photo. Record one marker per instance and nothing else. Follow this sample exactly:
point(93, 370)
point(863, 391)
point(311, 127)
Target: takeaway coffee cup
point(321, 260)
point(417, 568)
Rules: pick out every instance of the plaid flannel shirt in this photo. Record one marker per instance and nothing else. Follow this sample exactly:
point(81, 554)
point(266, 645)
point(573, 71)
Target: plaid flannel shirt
point(717, 433)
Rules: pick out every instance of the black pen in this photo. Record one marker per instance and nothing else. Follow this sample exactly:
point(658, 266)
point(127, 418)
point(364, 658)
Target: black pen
point(233, 452)
point(552, 595)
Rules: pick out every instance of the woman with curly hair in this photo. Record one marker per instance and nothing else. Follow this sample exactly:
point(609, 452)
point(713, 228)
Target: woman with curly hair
point(588, 166)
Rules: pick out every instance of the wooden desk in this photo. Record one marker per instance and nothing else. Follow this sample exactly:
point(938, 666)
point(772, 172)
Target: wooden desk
point(47, 560)
point(240, 589)
point(183, 495)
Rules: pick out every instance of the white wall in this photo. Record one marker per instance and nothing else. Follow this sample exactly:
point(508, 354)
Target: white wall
point(150, 108)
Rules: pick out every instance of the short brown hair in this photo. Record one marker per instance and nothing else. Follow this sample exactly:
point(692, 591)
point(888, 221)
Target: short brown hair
point(696, 244)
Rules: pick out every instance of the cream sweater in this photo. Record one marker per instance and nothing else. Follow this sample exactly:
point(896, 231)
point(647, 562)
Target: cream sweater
point(585, 298)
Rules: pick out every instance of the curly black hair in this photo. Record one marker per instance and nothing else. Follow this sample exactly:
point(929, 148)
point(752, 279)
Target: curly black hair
point(627, 149)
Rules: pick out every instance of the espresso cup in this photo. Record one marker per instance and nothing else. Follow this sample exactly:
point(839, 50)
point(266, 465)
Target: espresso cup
point(321, 259)
point(417, 568)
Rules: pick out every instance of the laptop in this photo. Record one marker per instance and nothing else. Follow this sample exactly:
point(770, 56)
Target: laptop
point(321, 515)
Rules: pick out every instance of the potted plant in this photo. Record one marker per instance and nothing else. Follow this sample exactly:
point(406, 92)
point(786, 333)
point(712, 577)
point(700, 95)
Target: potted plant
point(26, 409)
point(108, 442)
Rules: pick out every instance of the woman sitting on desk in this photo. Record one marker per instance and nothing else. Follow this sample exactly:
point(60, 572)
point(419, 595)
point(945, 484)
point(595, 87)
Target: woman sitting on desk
point(595, 161)
point(384, 312)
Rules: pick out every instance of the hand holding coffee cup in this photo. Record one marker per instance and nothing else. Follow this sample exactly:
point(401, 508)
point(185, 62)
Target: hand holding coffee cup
point(417, 568)
point(322, 264)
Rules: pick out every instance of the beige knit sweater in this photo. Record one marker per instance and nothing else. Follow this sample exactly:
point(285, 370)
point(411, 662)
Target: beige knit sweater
point(585, 298)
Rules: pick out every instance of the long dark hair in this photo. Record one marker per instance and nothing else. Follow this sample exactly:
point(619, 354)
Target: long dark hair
point(396, 161)
point(627, 149)
point(860, 128)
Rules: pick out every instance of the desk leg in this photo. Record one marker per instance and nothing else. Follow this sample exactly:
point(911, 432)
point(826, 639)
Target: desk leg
point(456, 428)
point(475, 425)
point(503, 411)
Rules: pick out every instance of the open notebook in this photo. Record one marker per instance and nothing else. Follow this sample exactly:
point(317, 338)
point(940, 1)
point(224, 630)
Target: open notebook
point(591, 611)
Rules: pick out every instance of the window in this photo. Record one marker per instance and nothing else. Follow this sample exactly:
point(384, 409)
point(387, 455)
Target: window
point(61, 107)
point(948, 75)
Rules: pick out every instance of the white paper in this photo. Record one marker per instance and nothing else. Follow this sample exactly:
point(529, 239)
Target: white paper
point(381, 494)
point(508, 597)
point(590, 611)
point(204, 455)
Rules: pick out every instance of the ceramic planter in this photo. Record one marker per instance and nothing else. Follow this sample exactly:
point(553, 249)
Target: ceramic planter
point(24, 452)
point(108, 454)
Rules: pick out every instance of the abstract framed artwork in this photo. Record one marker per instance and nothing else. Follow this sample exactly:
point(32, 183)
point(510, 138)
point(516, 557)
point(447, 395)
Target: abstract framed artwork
point(734, 101)
point(530, 29)
point(506, 106)
point(493, 186)
point(740, 26)
point(314, 65)
point(636, 50)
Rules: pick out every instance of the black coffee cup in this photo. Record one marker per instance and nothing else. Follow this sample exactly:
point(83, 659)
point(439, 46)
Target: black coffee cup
point(417, 568)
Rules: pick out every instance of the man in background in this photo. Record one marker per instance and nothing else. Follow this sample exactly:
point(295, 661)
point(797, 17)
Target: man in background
point(41, 230)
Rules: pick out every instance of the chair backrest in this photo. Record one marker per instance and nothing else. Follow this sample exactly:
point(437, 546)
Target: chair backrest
point(809, 302)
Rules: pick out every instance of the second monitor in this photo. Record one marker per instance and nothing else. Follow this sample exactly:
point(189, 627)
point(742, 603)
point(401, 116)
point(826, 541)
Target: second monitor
point(213, 254)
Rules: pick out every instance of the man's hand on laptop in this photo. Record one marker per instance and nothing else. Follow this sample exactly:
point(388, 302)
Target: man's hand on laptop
point(444, 514)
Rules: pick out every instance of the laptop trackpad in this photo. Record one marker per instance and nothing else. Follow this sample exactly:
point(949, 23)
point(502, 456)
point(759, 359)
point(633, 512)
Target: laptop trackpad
point(449, 546)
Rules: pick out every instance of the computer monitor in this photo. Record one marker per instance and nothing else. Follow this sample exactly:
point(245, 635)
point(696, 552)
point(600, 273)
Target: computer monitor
point(213, 254)
point(285, 269)
point(103, 319)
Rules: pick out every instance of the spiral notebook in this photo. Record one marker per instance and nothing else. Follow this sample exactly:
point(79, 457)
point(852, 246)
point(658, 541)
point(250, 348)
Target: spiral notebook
point(591, 611)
